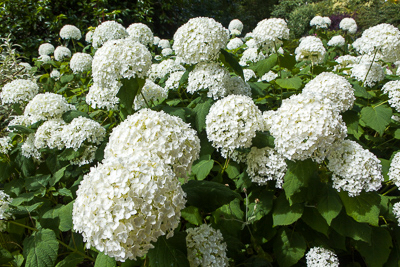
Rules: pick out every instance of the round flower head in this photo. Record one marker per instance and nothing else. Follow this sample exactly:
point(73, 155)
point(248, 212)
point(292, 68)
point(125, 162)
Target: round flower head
point(151, 93)
point(45, 59)
point(345, 61)
point(46, 49)
point(159, 71)
point(321, 257)
point(18, 91)
point(209, 76)
point(264, 165)
point(337, 40)
point(28, 148)
point(49, 134)
point(306, 127)
point(141, 33)
point(269, 76)
point(248, 74)
point(158, 133)
point(331, 86)
point(235, 27)
point(394, 170)
point(310, 48)
point(61, 52)
point(382, 39)
point(375, 73)
point(348, 24)
point(167, 52)
point(123, 205)
point(396, 211)
point(320, 22)
point(5, 201)
point(354, 169)
point(55, 74)
point(236, 86)
point(156, 40)
point(392, 88)
point(108, 30)
point(89, 36)
point(232, 122)
point(70, 32)
point(206, 247)
point(164, 43)
point(173, 81)
point(251, 43)
point(200, 39)
point(80, 62)
point(5, 144)
point(235, 43)
point(270, 32)
point(251, 55)
point(99, 97)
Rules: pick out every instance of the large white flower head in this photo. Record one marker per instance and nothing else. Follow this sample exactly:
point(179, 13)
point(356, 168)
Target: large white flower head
point(236, 86)
point(158, 133)
point(27, 67)
point(321, 257)
point(394, 170)
point(310, 48)
point(200, 39)
point(5, 201)
point(61, 52)
point(49, 134)
point(164, 43)
point(141, 33)
point(70, 32)
point(206, 247)
point(382, 39)
point(264, 165)
point(333, 87)
point(392, 88)
point(348, 24)
point(337, 40)
point(152, 93)
point(5, 144)
point(232, 122)
point(106, 31)
point(375, 73)
point(306, 127)
point(123, 205)
point(158, 71)
point(269, 76)
point(80, 62)
point(18, 91)
point(252, 55)
point(99, 97)
point(320, 22)
point(46, 49)
point(354, 168)
point(173, 80)
point(235, 27)
point(269, 33)
point(211, 76)
point(396, 211)
point(234, 43)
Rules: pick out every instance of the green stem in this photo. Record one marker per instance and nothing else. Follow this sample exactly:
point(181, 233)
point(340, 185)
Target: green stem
point(145, 101)
point(380, 104)
point(390, 190)
point(23, 225)
point(370, 66)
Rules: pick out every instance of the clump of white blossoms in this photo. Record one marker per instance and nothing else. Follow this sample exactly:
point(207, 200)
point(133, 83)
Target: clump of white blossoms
point(375, 73)
point(28, 148)
point(235, 27)
point(5, 144)
point(164, 43)
point(310, 48)
point(106, 31)
point(46, 49)
point(344, 62)
point(156, 40)
point(265, 165)
point(89, 36)
point(152, 93)
point(167, 52)
point(206, 247)
point(320, 22)
point(158, 71)
point(251, 43)
point(98, 97)
point(354, 168)
point(200, 39)
point(211, 76)
point(394, 170)
point(251, 55)
point(269, 76)
point(18, 91)
point(318, 257)
point(87, 156)
point(269, 33)
point(158, 133)
point(49, 134)
point(331, 86)
point(141, 33)
point(337, 40)
point(55, 74)
point(232, 123)
point(236, 86)
point(306, 127)
point(70, 32)
point(123, 205)
point(396, 211)
point(5, 201)
point(392, 88)
point(173, 80)
point(248, 74)
point(61, 52)
point(348, 24)
point(45, 59)
point(234, 43)
point(382, 39)
point(80, 62)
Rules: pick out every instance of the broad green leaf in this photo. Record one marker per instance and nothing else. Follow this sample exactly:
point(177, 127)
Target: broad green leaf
point(378, 118)
point(385, 168)
point(230, 61)
point(284, 214)
point(70, 153)
point(363, 208)
point(25, 210)
point(290, 83)
point(103, 260)
point(360, 91)
point(229, 218)
point(329, 204)
point(397, 134)
point(192, 215)
point(57, 176)
point(313, 219)
point(37, 182)
point(72, 114)
point(21, 129)
point(260, 203)
point(202, 167)
point(66, 78)
point(263, 139)
point(288, 61)
point(201, 110)
point(129, 90)
point(351, 119)
point(346, 226)
point(65, 215)
point(165, 254)
point(265, 65)
point(26, 165)
point(185, 76)
point(6, 170)
point(41, 248)
point(72, 260)
point(289, 247)
point(5, 255)
point(25, 197)
point(233, 170)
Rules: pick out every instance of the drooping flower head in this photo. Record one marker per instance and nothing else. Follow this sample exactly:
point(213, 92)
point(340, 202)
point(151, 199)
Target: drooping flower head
point(18, 91)
point(234, 43)
point(151, 92)
point(337, 40)
point(141, 33)
point(108, 30)
point(70, 32)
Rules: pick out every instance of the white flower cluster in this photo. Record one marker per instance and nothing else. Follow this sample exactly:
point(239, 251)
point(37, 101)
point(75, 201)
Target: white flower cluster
point(124, 204)
point(99, 97)
point(80, 62)
point(394, 170)
point(167, 52)
point(173, 80)
point(55, 74)
point(310, 48)
point(252, 55)
point(87, 156)
point(269, 76)
point(382, 39)
point(345, 61)
point(211, 76)
point(156, 40)
point(206, 247)
point(61, 52)
point(46, 49)
point(164, 43)
point(70, 32)
point(269, 33)
point(28, 148)
point(321, 22)
point(159, 71)
point(18, 91)
point(49, 134)
point(321, 257)
point(264, 165)
point(396, 211)
point(25, 65)
point(375, 73)
point(106, 31)
point(232, 123)
point(141, 33)
point(5, 144)
point(89, 36)
point(392, 88)
point(5, 201)
point(200, 39)
point(152, 93)
point(337, 40)
point(234, 43)
point(248, 74)
point(45, 59)
point(348, 24)
point(235, 27)
point(354, 169)
point(236, 86)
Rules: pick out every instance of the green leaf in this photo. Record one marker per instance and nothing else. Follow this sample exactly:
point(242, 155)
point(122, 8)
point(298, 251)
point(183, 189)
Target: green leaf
point(21, 129)
point(202, 167)
point(192, 215)
point(25, 197)
point(377, 117)
point(26, 165)
point(185, 76)
point(363, 208)
point(288, 61)
point(229, 218)
point(72, 260)
point(290, 83)
point(6, 170)
point(61, 214)
point(265, 65)
point(229, 60)
point(103, 260)
point(360, 91)
point(166, 253)
point(263, 139)
point(233, 170)
point(284, 214)
point(261, 202)
point(37, 182)
point(313, 219)
point(72, 114)
point(329, 204)
point(66, 78)
point(289, 247)
point(57, 176)
point(346, 226)
point(70, 154)
point(127, 93)
point(208, 195)
point(41, 248)
point(352, 121)
point(201, 110)
point(5, 256)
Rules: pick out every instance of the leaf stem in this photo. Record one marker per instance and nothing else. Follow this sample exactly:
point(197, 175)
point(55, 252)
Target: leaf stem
point(23, 225)
point(370, 66)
